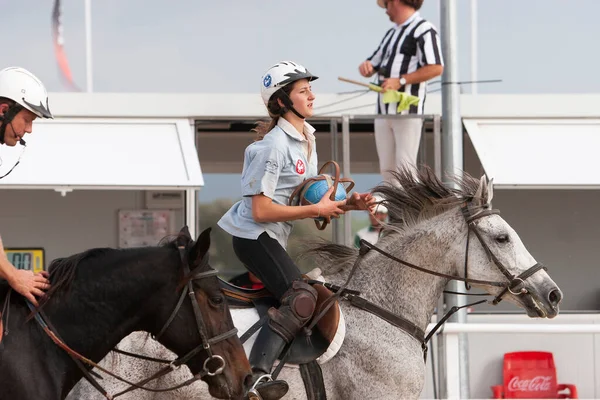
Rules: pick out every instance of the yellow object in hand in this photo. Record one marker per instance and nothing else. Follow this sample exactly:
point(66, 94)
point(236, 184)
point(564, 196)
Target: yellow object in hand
point(404, 100)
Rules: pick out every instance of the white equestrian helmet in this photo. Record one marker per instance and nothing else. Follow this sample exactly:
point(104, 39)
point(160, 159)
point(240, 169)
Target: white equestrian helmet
point(379, 207)
point(26, 89)
point(280, 75)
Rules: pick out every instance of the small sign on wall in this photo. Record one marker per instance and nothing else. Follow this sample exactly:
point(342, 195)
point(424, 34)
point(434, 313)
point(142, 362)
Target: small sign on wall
point(28, 258)
point(173, 200)
point(139, 228)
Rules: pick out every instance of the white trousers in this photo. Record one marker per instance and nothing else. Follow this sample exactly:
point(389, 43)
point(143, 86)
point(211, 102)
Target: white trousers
point(397, 142)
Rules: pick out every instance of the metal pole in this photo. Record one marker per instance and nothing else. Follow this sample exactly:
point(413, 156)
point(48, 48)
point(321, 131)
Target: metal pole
point(474, 46)
point(346, 173)
point(336, 231)
point(452, 160)
point(190, 211)
point(88, 45)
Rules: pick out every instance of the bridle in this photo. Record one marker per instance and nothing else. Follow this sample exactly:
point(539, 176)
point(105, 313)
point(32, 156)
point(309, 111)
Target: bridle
point(205, 345)
point(513, 280)
point(509, 286)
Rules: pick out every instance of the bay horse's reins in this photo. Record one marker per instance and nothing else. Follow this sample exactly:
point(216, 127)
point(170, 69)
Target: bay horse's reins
point(190, 276)
point(413, 330)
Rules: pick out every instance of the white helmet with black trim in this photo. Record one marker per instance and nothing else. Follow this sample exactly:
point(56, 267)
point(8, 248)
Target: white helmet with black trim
point(281, 74)
point(25, 89)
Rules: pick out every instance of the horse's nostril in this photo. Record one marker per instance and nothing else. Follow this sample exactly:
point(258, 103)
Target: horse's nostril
point(554, 297)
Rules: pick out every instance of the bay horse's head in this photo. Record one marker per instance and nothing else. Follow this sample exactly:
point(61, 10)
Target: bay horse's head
point(196, 323)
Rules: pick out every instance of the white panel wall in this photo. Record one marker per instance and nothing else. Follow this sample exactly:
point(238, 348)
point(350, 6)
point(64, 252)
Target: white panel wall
point(65, 225)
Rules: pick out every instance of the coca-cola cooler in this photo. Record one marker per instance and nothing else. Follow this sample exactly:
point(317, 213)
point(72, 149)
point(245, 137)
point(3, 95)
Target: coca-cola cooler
point(531, 375)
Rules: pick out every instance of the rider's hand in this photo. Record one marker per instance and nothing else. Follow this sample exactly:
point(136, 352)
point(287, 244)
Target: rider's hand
point(29, 284)
point(330, 209)
point(360, 201)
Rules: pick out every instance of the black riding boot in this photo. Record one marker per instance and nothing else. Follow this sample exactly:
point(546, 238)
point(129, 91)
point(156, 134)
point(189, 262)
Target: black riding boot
point(297, 306)
point(266, 350)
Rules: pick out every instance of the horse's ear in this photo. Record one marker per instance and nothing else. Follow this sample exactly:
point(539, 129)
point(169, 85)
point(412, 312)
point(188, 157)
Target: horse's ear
point(202, 244)
point(478, 196)
point(185, 231)
point(490, 194)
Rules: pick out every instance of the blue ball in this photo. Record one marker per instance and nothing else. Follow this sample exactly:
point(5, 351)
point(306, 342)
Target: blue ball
point(316, 190)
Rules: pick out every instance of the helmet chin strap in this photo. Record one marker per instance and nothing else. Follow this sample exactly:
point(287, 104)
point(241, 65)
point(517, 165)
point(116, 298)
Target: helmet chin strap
point(287, 102)
point(7, 118)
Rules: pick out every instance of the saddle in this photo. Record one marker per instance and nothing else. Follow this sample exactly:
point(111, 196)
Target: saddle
point(321, 344)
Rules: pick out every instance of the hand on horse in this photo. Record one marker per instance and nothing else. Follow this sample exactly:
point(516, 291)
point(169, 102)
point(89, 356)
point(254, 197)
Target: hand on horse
point(30, 285)
point(330, 209)
point(359, 201)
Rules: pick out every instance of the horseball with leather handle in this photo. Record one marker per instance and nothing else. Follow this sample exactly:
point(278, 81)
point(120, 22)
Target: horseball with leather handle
point(303, 187)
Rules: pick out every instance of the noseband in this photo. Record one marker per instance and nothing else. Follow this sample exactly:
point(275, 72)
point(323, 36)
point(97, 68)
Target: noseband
point(205, 345)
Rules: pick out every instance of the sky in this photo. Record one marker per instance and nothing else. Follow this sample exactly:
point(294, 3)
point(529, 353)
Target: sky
point(533, 46)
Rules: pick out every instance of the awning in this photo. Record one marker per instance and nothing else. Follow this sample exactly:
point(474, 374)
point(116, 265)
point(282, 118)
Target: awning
point(538, 153)
point(66, 154)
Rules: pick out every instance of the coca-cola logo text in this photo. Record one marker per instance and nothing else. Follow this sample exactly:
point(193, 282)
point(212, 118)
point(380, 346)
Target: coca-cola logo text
point(535, 384)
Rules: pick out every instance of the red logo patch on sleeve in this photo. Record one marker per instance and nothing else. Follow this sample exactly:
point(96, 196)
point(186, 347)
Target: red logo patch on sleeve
point(300, 168)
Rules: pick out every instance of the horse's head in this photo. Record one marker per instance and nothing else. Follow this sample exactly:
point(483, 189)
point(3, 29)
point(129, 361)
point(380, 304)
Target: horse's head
point(496, 253)
point(197, 324)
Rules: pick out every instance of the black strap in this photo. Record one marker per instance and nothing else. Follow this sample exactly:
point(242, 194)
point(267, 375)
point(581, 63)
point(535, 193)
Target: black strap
point(312, 375)
point(388, 316)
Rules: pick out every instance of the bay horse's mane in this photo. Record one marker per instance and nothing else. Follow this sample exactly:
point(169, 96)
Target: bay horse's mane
point(62, 271)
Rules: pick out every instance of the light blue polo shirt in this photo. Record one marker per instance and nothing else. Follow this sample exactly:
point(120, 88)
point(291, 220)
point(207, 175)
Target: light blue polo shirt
point(273, 166)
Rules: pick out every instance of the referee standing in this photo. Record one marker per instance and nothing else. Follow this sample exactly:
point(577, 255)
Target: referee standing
point(408, 56)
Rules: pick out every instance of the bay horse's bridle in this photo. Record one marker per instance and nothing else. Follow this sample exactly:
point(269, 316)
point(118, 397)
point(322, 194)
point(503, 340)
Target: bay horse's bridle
point(205, 345)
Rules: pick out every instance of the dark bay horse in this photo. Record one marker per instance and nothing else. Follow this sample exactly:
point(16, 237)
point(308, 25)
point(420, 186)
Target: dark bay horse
point(100, 296)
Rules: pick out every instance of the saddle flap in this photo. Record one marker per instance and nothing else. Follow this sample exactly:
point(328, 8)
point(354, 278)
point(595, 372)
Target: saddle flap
point(328, 325)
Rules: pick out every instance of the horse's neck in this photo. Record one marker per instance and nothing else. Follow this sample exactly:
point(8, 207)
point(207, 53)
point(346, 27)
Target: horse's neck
point(433, 245)
point(96, 319)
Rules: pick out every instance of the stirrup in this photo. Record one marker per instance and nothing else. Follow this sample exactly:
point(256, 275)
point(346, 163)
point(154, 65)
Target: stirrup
point(253, 393)
point(265, 377)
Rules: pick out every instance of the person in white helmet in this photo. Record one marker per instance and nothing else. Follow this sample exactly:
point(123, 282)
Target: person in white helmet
point(23, 98)
point(283, 157)
point(372, 232)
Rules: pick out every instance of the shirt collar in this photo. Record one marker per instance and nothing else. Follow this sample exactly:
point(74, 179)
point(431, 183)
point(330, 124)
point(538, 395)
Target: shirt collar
point(288, 128)
point(410, 19)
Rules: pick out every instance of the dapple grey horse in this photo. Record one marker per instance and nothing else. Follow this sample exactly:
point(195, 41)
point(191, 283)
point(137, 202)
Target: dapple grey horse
point(431, 226)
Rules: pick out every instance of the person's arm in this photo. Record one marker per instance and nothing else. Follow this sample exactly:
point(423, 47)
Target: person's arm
point(368, 67)
point(429, 54)
point(24, 282)
point(264, 210)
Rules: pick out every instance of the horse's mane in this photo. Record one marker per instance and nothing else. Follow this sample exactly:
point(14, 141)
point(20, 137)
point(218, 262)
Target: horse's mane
point(414, 196)
point(418, 195)
point(62, 270)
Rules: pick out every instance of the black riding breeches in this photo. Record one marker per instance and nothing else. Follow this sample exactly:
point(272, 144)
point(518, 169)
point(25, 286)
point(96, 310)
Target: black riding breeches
point(266, 259)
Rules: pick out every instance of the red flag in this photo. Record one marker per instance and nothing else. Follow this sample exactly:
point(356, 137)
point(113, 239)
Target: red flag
point(59, 50)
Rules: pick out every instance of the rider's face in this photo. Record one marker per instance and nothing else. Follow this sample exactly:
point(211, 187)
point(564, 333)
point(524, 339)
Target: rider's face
point(21, 124)
point(302, 97)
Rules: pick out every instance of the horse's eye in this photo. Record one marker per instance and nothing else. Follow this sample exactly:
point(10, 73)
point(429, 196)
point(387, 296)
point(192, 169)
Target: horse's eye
point(216, 300)
point(502, 238)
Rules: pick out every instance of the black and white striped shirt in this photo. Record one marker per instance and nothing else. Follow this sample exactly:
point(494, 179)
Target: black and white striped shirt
point(404, 49)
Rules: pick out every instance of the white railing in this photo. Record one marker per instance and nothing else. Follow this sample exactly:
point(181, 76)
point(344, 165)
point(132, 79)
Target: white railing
point(451, 331)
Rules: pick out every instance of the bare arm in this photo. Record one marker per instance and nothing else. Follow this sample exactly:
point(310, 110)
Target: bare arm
point(24, 282)
point(424, 74)
point(7, 270)
point(264, 210)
